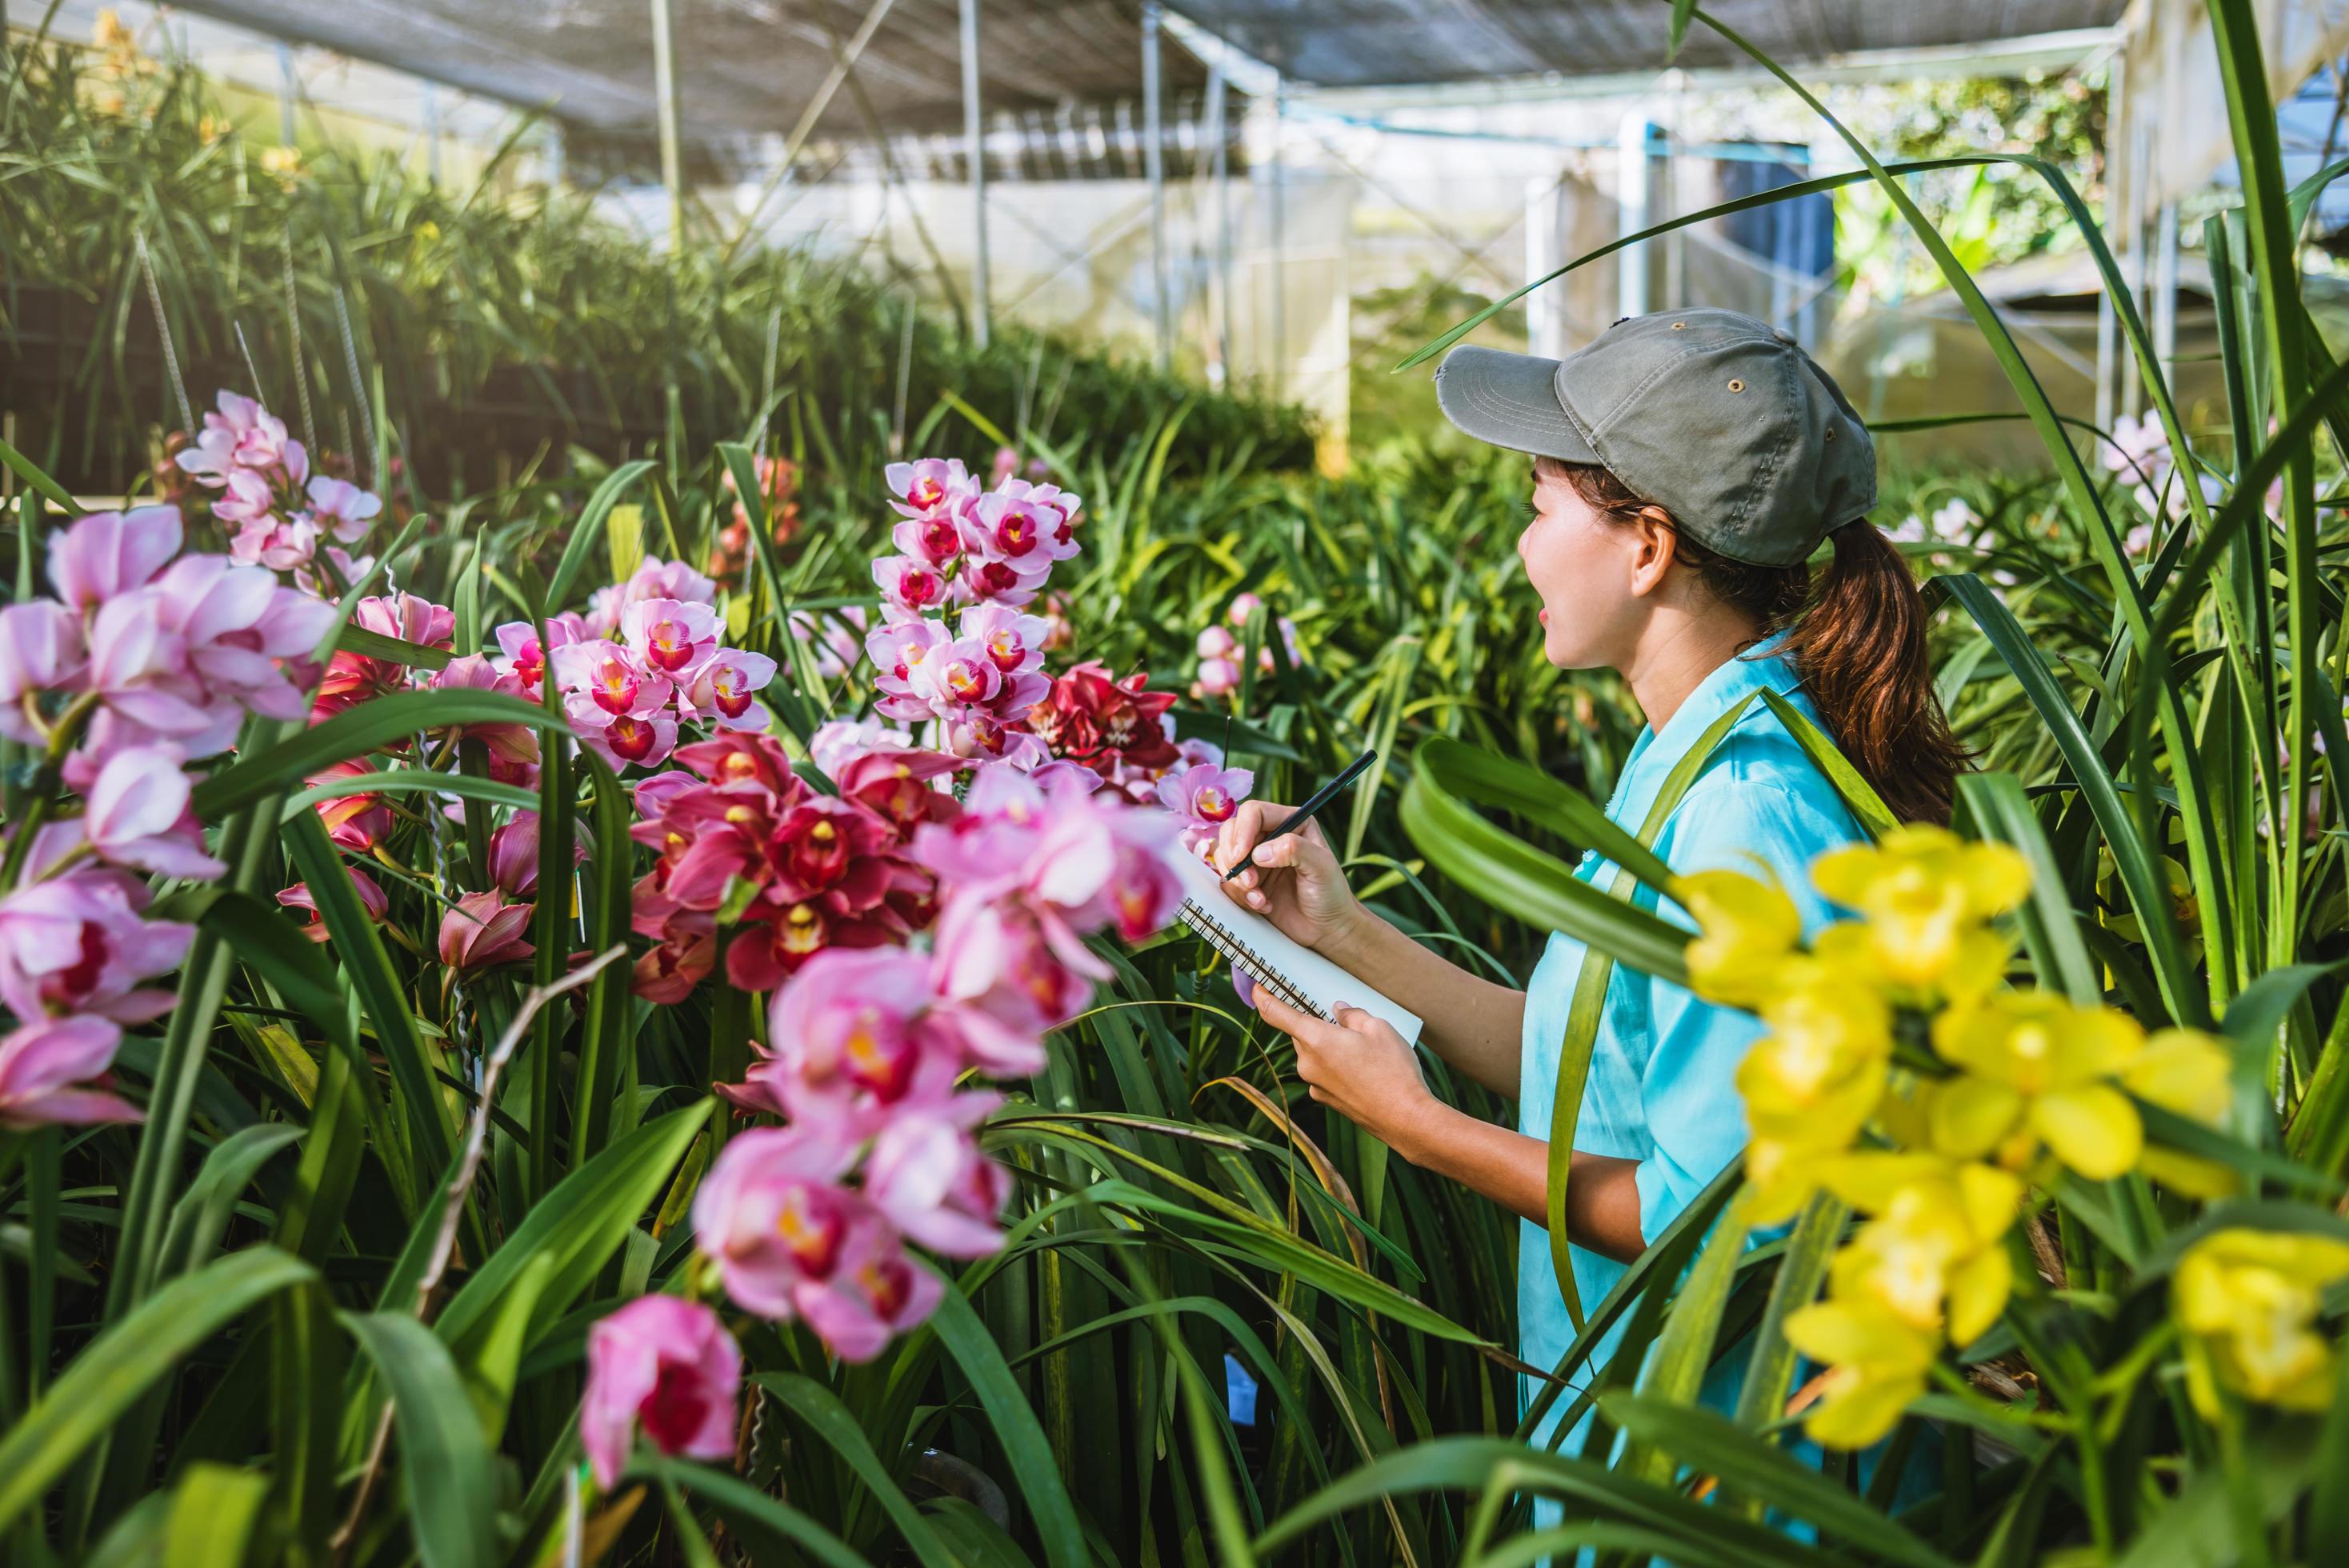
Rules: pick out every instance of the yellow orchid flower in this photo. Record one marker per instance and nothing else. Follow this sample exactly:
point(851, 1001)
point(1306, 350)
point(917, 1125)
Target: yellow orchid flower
point(2037, 1070)
point(1934, 1255)
point(1748, 930)
point(1822, 1066)
point(2189, 1072)
point(2248, 1301)
point(1925, 895)
point(1877, 1364)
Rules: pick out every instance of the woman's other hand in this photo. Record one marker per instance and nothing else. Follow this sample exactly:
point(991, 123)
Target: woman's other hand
point(1293, 880)
point(1358, 1066)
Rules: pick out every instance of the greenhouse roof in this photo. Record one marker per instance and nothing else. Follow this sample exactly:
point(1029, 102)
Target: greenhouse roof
point(744, 67)
point(1395, 43)
point(748, 67)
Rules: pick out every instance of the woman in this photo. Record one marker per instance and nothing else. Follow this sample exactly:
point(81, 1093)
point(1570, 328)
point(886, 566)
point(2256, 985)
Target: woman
point(1686, 467)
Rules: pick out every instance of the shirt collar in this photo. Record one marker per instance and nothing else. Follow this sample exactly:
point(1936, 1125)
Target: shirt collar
point(1658, 752)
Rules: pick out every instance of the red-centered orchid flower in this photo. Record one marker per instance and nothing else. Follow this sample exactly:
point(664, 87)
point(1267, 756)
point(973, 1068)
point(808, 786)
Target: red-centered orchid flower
point(371, 899)
point(1092, 718)
point(483, 930)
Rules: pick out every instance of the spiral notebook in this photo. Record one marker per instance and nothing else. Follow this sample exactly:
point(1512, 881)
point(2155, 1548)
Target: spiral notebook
point(1296, 974)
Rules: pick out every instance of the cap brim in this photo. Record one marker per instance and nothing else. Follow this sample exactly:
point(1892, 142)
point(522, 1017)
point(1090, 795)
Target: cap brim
point(1510, 400)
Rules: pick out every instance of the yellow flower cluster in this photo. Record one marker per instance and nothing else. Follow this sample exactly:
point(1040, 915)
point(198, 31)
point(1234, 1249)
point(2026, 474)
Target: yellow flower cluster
point(2032, 1082)
point(2248, 1302)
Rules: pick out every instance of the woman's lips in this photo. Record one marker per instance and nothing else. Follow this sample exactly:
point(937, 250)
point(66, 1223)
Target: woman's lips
point(1544, 617)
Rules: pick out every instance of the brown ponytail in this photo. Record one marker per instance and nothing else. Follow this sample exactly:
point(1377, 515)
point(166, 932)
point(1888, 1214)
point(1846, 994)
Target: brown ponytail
point(1857, 636)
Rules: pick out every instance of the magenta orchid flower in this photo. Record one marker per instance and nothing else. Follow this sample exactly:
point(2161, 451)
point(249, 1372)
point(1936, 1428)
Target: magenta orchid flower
point(898, 651)
point(850, 1040)
point(342, 510)
point(653, 579)
point(611, 678)
point(928, 483)
point(670, 635)
point(514, 855)
point(47, 1069)
point(621, 739)
point(281, 544)
point(1217, 677)
point(108, 552)
point(934, 539)
point(838, 742)
point(1205, 796)
point(772, 1216)
point(926, 1174)
point(78, 944)
point(371, 899)
point(908, 586)
point(521, 654)
point(875, 1293)
point(483, 930)
point(669, 1366)
point(249, 498)
point(242, 435)
point(724, 689)
point(40, 651)
point(1012, 641)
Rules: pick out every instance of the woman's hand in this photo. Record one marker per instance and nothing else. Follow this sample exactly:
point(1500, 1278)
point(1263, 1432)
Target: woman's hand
point(1292, 880)
point(1358, 1066)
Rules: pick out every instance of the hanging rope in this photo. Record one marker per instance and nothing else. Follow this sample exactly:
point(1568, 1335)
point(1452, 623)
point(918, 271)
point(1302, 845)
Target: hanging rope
point(164, 330)
point(301, 371)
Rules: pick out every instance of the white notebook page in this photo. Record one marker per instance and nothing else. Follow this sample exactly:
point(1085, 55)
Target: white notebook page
point(1294, 973)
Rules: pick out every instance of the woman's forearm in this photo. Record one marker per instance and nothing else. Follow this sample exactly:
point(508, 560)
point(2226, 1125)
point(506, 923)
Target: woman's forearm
point(1472, 1023)
point(1602, 1193)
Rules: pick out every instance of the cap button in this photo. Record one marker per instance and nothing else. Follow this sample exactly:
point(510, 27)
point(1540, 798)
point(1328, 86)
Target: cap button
point(1782, 336)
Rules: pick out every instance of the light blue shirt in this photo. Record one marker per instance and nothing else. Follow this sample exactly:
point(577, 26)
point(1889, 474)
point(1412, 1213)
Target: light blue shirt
point(1661, 1088)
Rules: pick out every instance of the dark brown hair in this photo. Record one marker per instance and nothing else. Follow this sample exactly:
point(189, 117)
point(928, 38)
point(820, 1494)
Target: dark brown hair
point(1856, 637)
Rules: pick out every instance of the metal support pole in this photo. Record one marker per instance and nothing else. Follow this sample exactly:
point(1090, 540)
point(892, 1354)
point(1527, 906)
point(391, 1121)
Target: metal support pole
point(1632, 214)
point(1153, 162)
point(1545, 322)
point(975, 150)
point(2165, 299)
point(285, 92)
point(432, 132)
point(1219, 126)
point(672, 156)
point(1279, 241)
point(2116, 199)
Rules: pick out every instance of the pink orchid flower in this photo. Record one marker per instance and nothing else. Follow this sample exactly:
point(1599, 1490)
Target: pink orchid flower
point(875, 1293)
point(837, 742)
point(522, 656)
point(249, 498)
point(1217, 677)
point(1019, 530)
point(909, 585)
point(1215, 643)
point(934, 539)
point(772, 1216)
point(898, 651)
point(40, 651)
point(653, 579)
point(371, 899)
point(242, 435)
point(46, 1066)
point(622, 738)
point(1056, 508)
point(611, 677)
point(724, 689)
point(687, 953)
point(1012, 641)
point(957, 678)
point(848, 1030)
point(1009, 983)
point(514, 855)
point(483, 930)
point(668, 1366)
point(139, 815)
point(357, 821)
point(1204, 796)
point(928, 483)
point(670, 635)
point(344, 510)
point(281, 544)
point(78, 943)
point(926, 1174)
point(108, 552)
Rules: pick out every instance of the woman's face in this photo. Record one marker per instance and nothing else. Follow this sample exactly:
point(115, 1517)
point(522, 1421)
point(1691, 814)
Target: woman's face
point(1591, 576)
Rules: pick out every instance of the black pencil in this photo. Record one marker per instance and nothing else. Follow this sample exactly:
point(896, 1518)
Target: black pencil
point(1321, 796)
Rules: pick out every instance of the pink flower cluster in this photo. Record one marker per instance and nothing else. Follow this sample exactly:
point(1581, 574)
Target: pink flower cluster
point(961, 544)
point(1218, 647)
point(140, 663)
point(281, 513)
point(644, 660)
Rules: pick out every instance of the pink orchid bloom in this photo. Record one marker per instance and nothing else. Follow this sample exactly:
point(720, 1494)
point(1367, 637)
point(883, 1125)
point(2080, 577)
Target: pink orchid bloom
point(621, 739)
point(342, 510)
point(958, 677)
point(1217, 677)
point(1242, 606)
point(898, 651)
point(670, 635)
point(875, 1293)
point(926, 1174)
point(278, 543)
point(1009, 983)
point(934, 539)
point(523, 657)
point(928, 483)
point(770, 1213)
point(45, 1066)
point(668, 1366)
point(108, 552)
point(1003, 581)
point(139, 815)
point(653, 579)
point(357, 821)
point(740, 756)
point(1007, 463)
point(847, 1030)
point(243, 434)
point(371, 899)
point(1215, 643)
point(910, 586)
point(837, 637)
point(838, 742)
point(409, 617)
point(483, 930)
point(1204, 796)
point(687, 953)
point(78, 943)
point(1014, 643)
point(514, 855)
point(900, 786)
point(1018, 530)
point(205, 639)
point(1054, 507)
point(249, 498)
point(40, 651)
point(722, 689)
point(610, 677)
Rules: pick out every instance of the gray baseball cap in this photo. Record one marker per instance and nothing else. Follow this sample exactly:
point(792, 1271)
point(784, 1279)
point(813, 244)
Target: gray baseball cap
point(1721, 419)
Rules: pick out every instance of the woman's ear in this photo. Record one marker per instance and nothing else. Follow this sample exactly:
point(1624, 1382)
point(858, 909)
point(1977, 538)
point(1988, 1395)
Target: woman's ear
point(1654, 547)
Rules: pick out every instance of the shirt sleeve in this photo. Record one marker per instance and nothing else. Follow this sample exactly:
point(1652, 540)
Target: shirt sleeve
point(1689, 1089)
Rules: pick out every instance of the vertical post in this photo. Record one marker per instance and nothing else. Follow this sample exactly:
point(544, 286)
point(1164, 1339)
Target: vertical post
point(1279, 241)
point(2165, 299)
point(2140, 276)
point(1218, 121)
point(1631, 211)
point(2118, 196)
point(1153, 163)
point(672, 156)
point(557, 155)
point(431, 131)
point(285, 92)
point(1544, 324)
point(975, 153)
